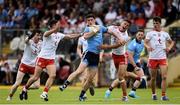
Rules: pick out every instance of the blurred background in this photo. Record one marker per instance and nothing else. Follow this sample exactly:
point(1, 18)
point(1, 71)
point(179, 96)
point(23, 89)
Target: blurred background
point(19, 16)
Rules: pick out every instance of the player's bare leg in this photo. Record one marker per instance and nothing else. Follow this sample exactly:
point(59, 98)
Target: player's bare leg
point(91, 72)
point(36, 84)
point(51, 70)
point(52, 74)
point(121, 77)
point(35, 77)
point(116, 82)
point(19, 78)
point(79, 70)
point(163, 83)
point(140, 74)
point(139, 78)
point(91, 88)
point(131, 75)
point(153, 83)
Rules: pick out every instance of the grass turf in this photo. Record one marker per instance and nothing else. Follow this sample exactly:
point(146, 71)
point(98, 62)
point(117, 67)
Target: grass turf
point(70, 96)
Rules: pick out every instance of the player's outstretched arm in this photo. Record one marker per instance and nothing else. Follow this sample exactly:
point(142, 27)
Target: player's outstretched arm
point(114, 46)
point(71, 36)
point(93, 30)
point(87, 35)
point(106, 46)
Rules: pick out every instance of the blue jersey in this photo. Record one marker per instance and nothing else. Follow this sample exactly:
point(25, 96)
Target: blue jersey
point(96, 40)
point(136, 48)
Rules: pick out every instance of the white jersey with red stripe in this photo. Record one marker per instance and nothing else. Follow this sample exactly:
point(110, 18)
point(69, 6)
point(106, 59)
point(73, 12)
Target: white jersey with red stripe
point(124, 35)
point(49, 45)
point(31, 51)
point(157, 40)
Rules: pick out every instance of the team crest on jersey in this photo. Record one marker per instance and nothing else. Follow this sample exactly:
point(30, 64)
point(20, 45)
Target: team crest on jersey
point(56, 37)
point(39, 63)
point(21, 69)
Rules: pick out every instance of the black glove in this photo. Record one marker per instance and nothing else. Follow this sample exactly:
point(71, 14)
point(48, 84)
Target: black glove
point(30, 34)
point(81, 34)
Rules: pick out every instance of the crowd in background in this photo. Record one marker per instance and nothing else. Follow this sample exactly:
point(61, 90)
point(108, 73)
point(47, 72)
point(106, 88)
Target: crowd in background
point(35, 14)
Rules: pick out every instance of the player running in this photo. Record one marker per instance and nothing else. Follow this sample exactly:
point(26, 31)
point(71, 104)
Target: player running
point(134, 49)
point(81, 48)
point(31, 50)
point(119, 54)
point(94, 35)
point(155, 42)
point(46, 58)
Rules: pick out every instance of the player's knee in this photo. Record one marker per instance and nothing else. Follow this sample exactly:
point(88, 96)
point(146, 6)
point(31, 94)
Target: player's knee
point(37, 86)
point(121, 80)
point(153, 78)
point(52, 76)
point(78, 72)
point(164, 77)
point(17, 83)
point(35, 78)
point(126, 75)
point(84, 79)
point(89, 79)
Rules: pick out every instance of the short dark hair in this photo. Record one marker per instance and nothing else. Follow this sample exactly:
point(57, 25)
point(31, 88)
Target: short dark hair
point(52, 22)
point(57, 17)
point(32, 33)
point(90, 15)
point(128, 21)
point(36, 31)
point(157, 19)
point(140, 30)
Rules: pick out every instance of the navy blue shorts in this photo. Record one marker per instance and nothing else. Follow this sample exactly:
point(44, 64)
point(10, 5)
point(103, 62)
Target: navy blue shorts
point(91, 59)
point(130, 67)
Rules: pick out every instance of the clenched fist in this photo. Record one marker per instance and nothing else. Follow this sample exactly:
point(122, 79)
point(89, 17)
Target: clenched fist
point(94, 28)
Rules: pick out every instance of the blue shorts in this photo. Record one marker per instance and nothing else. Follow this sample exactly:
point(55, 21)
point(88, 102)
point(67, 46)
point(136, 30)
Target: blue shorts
point(91, 59)
point(130, 67)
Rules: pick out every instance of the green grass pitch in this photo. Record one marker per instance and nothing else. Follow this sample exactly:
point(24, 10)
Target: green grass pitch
point(70, 96)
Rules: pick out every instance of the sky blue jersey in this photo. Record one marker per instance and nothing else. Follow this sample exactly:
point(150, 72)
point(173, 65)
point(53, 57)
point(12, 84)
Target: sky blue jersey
point(96, 40)
point(136, 48)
